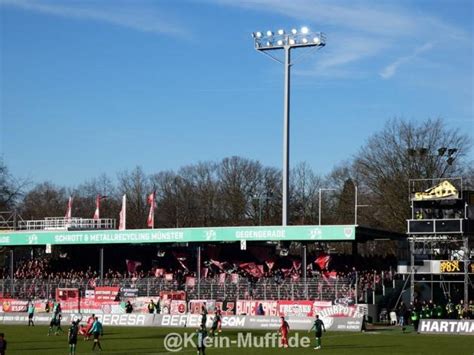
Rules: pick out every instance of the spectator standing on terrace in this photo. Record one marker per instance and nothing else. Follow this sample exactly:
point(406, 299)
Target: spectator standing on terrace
point(31, 313)
point(318, 326)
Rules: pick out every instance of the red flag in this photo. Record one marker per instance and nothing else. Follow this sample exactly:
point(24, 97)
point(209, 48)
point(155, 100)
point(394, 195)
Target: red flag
point(123, 214)
point(252, 268)
point(69, 209)
point(151, 214)
point(97, 206)
point(323, 261)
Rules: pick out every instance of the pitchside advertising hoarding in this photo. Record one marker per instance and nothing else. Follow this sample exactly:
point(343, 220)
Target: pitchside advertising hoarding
point(179, 313)
point(192, 321)
point(446, 326)
point(179, 235)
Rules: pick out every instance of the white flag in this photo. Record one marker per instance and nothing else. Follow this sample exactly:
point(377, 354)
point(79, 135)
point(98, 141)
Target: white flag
point(123, 214)
point(97, 207)
point(69, 209)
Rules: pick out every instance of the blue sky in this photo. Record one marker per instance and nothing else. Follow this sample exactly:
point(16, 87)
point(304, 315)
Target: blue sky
point(92, 87)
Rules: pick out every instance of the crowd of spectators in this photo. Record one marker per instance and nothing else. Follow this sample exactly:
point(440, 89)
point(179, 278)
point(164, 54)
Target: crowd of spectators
point(39, 276)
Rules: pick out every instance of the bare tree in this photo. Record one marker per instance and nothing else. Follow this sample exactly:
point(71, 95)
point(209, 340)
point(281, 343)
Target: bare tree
point(11, 189)
point(85, 198)
point(385, 164)
point(239, 179)
point(136, 185)
point(44, 200)
point(304, 195)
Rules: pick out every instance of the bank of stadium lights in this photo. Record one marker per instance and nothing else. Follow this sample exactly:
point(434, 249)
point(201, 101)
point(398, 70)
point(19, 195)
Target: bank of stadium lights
point(295, 38)
point(268, 43)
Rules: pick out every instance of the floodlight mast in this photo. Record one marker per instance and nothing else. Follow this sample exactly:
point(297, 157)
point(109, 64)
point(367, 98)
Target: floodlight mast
point(266, 42)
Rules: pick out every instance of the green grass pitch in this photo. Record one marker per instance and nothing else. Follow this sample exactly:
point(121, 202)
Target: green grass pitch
point(125, 340)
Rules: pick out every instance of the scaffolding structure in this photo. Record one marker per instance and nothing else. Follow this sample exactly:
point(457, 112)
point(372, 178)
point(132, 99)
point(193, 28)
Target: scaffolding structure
point(440, 233)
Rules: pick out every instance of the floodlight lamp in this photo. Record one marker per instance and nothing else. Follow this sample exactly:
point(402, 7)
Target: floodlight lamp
point(304, 40)
point(304, 30)
point(441, 151)
point(292, 41)
point(450, 160)
point(269, 44)
point(269, 33)
point(294, 31)
point(317, 40)
point(258, 34)
point(452, 151)
point(281, 32)
point(280, 42)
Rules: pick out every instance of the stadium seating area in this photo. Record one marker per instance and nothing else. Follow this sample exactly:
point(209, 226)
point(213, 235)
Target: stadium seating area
point(39, 277)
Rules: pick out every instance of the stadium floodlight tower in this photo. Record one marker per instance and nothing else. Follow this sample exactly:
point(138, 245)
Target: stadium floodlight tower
point(272, 42)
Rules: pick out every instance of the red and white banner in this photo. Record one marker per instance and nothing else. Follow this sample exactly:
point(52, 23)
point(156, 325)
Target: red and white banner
point(123, 214)
point(195, 306)
point(270, 308)
point(253, 269)
point(178, 307)
point(69, 209)
point(297, 308)
point(106, 293)
point(15, 305)
point(151, 215)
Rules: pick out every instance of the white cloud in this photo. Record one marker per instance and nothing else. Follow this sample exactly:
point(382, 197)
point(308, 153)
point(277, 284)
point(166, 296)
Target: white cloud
point(391, 69)
point(134, 15)
point(358, 30)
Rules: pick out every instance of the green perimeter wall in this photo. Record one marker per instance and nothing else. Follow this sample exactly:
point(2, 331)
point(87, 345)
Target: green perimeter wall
point(180, 235)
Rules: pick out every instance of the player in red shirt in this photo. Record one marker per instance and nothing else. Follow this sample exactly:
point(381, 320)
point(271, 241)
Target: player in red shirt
point(85, 330)
point(284, 328)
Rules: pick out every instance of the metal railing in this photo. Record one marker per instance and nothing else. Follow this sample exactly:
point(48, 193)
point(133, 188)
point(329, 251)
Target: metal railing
point(263, 289)
point(61, 223)
point(9, 220)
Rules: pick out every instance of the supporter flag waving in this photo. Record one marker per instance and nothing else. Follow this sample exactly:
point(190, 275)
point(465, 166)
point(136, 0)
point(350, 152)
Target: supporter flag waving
point(123, 214)
point(97, 206)
point(323, 261)
point(69, 209)
point(151, 214)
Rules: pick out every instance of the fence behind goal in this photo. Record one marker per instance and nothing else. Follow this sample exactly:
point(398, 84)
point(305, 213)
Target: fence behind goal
point(263, 289)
